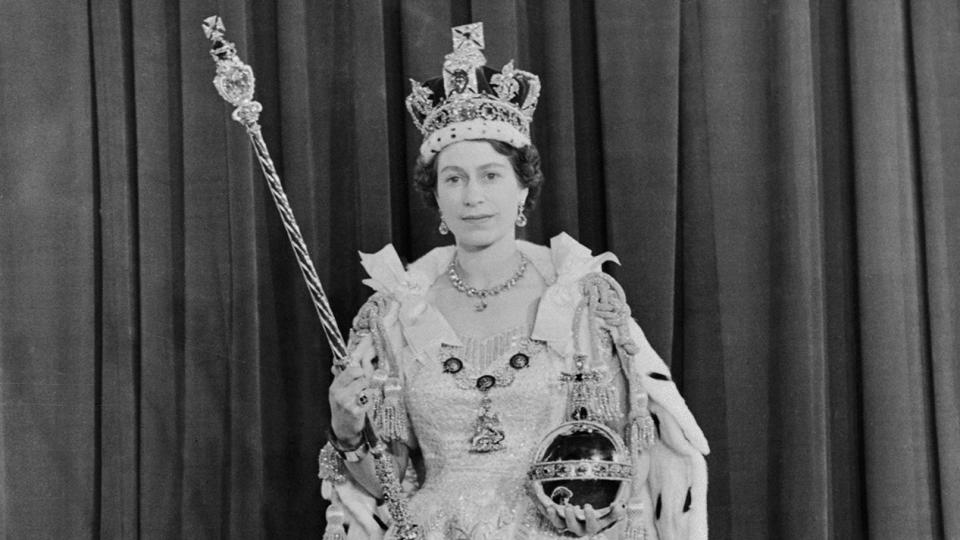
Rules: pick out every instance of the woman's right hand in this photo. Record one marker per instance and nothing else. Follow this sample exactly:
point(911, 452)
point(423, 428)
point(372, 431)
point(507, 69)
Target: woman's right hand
point(347, 409)
point(583, 521)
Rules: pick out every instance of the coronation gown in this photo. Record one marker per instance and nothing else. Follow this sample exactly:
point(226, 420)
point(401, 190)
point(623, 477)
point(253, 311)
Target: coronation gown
point(485, 495)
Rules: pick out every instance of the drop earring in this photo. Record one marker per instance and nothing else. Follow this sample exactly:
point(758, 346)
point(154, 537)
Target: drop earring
point(443, 226)
point(521, 217)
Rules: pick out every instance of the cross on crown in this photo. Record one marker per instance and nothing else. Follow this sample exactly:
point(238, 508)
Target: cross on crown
point(459, 67)
point(467, 36)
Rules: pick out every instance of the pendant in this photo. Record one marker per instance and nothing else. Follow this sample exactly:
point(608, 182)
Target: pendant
point(488, 436)
point(481, 306)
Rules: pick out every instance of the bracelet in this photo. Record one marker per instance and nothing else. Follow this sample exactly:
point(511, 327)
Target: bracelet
point(349, 454)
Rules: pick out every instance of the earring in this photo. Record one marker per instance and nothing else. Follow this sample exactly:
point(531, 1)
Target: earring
point(521, 217)
point(443, 227)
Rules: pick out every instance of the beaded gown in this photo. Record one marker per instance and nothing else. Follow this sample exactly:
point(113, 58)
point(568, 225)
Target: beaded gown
point(465, 494)
point(482, 495)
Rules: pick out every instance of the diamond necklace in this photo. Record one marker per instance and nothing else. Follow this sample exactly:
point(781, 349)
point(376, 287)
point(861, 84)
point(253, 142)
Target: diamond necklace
point(482, 294)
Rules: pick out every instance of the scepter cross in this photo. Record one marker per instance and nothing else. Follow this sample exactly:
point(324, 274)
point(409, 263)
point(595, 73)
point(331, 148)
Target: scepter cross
point(213, 28)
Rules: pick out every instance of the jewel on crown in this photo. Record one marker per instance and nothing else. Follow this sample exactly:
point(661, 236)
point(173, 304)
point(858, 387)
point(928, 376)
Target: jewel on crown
point(471, 100)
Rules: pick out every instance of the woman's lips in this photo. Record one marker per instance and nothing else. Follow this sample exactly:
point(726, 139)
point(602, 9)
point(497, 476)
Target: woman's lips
point(477, 219)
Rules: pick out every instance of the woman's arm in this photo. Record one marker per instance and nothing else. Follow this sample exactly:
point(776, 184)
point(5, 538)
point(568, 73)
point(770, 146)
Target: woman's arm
point(352, 417)
point(350, 479)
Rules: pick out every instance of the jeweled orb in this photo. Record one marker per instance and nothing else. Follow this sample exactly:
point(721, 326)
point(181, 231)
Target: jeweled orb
point(580, 463)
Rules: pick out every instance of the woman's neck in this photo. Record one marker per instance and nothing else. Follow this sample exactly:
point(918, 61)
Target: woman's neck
point(488, 266)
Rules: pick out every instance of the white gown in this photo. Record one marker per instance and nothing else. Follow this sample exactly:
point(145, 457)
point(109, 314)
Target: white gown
point(482, 495)
point(465, 494)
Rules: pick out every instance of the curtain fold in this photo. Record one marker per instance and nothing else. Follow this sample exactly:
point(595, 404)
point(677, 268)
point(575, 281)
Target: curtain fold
point(899, 453)
point(116, 439)
point(49, 270)
point(779, 181)
point(934, 30)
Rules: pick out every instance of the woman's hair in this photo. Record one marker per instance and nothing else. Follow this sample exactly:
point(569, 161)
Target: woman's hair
point(525, 161)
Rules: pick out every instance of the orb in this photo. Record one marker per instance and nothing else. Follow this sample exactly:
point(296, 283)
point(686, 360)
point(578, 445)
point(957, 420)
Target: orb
point(578, 463)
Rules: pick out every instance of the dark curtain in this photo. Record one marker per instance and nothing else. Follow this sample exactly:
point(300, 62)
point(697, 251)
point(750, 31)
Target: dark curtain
point(779, 179)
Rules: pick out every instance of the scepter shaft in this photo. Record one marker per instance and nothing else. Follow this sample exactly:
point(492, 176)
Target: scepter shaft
point(319, 297)
point(235, 83)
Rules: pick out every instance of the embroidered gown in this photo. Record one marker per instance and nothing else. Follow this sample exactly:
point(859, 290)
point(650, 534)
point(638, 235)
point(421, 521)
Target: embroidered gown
point(484, 495)
point(480, 495)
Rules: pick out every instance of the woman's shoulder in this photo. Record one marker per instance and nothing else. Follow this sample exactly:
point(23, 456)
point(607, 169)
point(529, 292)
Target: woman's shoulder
point(566, 260)
point(387, 273)
point(563, 263)
point(562, 258)
point(433, 263)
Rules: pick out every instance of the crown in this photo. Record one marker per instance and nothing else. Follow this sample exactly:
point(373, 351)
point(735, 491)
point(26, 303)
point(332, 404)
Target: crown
point(472, 101)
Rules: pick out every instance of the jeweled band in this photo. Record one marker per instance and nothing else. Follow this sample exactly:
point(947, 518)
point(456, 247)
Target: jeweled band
point(580, 469)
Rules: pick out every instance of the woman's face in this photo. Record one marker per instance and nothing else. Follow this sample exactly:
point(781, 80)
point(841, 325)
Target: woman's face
point(478, 193)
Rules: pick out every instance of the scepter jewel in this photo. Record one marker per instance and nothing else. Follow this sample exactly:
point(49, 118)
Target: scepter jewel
point(235, 82)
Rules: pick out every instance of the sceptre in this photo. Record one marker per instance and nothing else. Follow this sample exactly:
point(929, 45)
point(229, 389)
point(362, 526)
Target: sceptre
point(235, 83)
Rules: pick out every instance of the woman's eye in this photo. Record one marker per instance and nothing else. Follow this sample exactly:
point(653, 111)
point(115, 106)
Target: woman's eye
point(492, 176)
point(452, 179)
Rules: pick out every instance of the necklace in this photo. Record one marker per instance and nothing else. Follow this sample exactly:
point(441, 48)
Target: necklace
point(482, 294)
point(488, 435)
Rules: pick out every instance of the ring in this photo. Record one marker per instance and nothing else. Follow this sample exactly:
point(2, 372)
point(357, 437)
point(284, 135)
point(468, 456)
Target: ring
point(362, 399)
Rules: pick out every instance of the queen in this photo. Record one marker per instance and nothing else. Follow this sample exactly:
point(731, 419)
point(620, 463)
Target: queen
point(469, 357)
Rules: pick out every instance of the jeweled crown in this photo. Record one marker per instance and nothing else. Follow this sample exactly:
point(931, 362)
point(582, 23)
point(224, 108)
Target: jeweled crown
point(472, 101)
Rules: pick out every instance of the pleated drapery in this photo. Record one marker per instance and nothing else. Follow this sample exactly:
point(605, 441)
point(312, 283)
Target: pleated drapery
point(779, 180)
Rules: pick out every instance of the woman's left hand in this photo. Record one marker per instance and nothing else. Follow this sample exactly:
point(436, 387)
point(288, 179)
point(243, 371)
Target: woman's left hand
point(590, 524)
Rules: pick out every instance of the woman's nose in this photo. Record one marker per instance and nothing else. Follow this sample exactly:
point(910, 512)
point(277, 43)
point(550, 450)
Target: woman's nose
point(473, 192)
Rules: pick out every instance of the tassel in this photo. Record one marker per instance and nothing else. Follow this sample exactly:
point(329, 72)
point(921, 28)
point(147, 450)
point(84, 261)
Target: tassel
point(377, 381)
point(643, 433)
point(602, 398)
point(391, 418)
point(335, 529)
point(643, 430)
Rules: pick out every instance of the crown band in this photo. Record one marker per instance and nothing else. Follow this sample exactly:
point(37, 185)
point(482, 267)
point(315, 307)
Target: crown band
point(476, 108)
